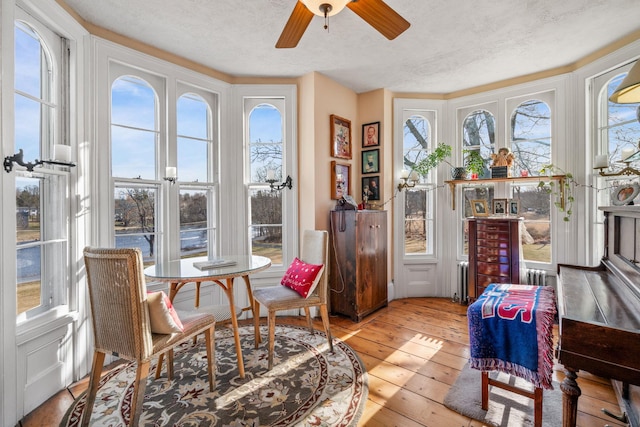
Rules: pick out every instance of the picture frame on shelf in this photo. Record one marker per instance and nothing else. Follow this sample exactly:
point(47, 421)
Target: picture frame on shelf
point(371, 135)
point(340, 180)
point(624, 194)
point(479, 207)
point(340, 137)
point(499, 206)
point(514, 207)
point(370, 161)
point(371, 188)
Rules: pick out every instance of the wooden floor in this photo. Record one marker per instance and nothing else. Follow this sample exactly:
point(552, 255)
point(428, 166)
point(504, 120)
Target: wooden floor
point(413, 351)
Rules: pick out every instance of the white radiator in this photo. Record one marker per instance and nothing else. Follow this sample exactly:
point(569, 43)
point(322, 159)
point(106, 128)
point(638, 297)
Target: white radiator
point(536, 277)
point(463, 282)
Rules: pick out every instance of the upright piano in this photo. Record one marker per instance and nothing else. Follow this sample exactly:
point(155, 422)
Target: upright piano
point(599, 314)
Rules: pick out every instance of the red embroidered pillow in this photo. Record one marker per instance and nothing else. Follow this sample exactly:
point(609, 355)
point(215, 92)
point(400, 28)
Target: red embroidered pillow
point(302, 277)
point(162, 315)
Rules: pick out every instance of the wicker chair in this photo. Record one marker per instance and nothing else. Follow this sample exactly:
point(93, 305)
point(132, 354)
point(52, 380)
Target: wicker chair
point(315, 250)
point(121, 326)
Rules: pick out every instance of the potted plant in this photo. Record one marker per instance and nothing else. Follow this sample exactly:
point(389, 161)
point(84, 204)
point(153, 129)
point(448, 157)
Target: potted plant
point(474, 163)
point(433, 159)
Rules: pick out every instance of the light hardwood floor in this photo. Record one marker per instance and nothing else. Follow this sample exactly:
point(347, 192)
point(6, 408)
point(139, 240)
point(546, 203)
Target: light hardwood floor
point(413, 350)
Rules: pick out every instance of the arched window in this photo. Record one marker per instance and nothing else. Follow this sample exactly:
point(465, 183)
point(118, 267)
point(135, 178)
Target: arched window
point(530, 131)
point(479, 134)
point(265, 139)
point(134, 148)
point(419, 200)
point(42, 207)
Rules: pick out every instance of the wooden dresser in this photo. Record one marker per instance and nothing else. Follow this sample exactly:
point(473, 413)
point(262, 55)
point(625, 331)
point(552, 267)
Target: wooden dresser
point(358, 267)
point(494, 252)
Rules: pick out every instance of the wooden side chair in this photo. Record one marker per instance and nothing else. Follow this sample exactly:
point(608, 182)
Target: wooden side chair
point(122, 327)
point(315, 250)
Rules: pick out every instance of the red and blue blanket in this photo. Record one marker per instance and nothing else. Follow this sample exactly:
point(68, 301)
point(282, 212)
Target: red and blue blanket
point(511, 330)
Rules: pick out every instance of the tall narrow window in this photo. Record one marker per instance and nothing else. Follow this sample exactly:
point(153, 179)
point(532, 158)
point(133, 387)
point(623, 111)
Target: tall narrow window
point(196, 180)
point(42, 209)
point(265, 139)
point(134, 147)
point(531, 143)
point(419, 200)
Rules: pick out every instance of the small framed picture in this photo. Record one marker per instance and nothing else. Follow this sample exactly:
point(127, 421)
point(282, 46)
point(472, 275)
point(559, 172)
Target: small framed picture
point(340, 180)
point(514, 207)
point(624, 194)
point(370, 161)
point(371, 135)
point(499, 206)
point(479, 207)
point(371, 188)
point(340, 137)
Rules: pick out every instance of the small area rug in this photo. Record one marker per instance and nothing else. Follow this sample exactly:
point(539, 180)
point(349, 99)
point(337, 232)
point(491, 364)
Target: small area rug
point(307, 386)
point(505, 408)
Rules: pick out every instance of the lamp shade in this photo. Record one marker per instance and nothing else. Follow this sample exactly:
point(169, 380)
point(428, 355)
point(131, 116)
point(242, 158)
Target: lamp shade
point(629, 90)
point(314, 6)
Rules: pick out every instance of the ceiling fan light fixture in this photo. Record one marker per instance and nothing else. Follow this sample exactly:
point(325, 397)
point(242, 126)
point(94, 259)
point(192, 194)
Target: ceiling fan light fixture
point(319, 7)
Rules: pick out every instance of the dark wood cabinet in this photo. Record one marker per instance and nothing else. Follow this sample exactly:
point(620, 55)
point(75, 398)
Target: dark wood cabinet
point(494, 253)
point(358, 267)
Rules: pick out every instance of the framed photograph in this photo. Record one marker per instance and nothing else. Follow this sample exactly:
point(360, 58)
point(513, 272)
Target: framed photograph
point(340, 180)
point(371, 188)
point(340, 137)
point(479, 208)
point(370, 161)
point(371, 135)
point(624, 194)
point(499, 206)
point(514, 207)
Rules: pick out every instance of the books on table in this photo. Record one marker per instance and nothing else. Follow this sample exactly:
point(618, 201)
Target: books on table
point(213, 263)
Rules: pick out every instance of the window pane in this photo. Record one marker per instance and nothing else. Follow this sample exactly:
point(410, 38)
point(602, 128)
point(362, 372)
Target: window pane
point(265, 138)
point(28, 238)
point(29, 61)
point(135, 219)
point(416, 227)
point(266, 220)
point(134, 134)
point(194, 234)
point(193, 138)
point(623, 130)
point(478, 132)
point(535, 235)
point(416, 142)
point(531, 137)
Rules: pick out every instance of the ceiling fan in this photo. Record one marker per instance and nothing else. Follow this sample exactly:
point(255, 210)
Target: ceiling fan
point(376, 12)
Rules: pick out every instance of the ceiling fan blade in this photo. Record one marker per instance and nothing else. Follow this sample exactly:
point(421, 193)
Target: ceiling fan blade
point(295, 27)
point(380, 16)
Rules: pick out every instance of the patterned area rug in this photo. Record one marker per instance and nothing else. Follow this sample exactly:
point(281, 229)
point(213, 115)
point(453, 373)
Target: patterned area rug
point(308, 386)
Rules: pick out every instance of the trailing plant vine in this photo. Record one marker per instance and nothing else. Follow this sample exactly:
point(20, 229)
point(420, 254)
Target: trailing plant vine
point(556, 191)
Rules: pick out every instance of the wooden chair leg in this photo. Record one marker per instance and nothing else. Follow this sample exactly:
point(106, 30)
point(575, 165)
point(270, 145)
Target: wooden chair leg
point(256, 323)
point(485, 390)
point(307, 313)
point(324, 312)
point(159, 366)
point(94, 381)
point(272, 336)
point(537, 402)
point(170, 364)
point(209, 337)
point(138, 391)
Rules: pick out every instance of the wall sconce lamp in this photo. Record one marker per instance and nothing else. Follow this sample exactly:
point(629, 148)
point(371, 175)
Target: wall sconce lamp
point(170, 174)
point(271, 179)
point(61, 155)
point(602, 162)
point(408, 180)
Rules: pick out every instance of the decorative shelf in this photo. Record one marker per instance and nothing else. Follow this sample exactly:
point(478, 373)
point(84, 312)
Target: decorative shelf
point(513, 180)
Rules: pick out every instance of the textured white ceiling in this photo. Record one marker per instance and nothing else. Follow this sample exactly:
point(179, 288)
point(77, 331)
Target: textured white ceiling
point(450, 46)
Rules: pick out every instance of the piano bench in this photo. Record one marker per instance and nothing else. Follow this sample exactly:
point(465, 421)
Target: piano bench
point(511, 331)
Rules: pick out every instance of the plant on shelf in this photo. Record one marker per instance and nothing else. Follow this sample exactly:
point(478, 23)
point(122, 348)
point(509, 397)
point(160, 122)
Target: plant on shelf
point(437, 156)
point(556, 191)
point(473, 162)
